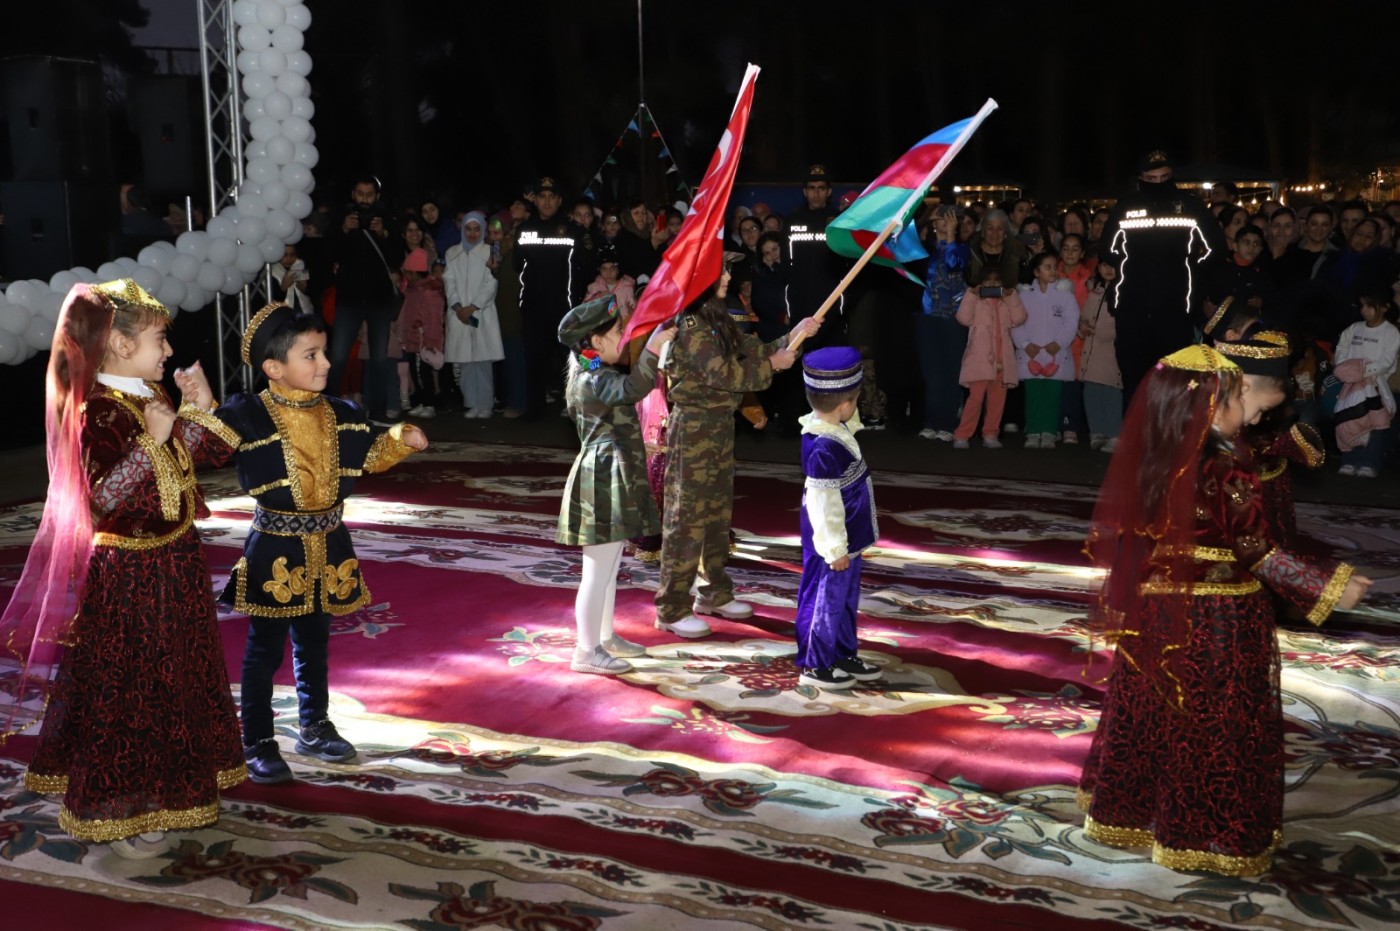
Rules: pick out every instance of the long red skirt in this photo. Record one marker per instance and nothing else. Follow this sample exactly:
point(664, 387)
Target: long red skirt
point(1202, 785)
point(140, 733)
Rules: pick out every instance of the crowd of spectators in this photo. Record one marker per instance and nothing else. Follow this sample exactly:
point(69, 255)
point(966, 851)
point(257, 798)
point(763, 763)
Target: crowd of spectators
point(1305, 270)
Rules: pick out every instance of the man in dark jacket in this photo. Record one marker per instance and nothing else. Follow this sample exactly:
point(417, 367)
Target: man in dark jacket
point(545, 248)
point(367, 252)
point(1168, 243)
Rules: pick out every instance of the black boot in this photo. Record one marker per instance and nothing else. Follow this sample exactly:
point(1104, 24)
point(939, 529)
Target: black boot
point(324, 742)
point(265, 764)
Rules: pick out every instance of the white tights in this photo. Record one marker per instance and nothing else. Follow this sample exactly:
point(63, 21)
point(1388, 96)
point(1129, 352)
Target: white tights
point(593, 608)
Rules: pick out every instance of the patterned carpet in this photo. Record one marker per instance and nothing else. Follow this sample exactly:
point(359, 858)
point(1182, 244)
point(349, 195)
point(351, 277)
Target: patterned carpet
point(708, 789)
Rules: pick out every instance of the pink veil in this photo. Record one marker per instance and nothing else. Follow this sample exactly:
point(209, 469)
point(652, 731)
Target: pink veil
point(46, 600)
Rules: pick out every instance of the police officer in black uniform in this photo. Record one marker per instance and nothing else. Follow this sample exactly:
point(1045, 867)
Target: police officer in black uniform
point(548, 250)
point(1169, 244)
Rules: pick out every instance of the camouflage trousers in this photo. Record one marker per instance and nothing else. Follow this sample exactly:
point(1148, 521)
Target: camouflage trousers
point(699, 503)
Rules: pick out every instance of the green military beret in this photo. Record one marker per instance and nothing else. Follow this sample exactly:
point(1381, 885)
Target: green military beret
point(586, 318)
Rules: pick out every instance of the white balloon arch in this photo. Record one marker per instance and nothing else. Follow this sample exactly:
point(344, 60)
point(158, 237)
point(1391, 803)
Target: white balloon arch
point(235, 245)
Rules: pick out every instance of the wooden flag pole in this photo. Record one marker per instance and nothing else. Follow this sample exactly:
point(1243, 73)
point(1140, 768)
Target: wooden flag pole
point(869, 253)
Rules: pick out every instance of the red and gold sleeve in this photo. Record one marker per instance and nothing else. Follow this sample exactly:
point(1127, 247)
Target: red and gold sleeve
point(1312, 585)
point(211, 442)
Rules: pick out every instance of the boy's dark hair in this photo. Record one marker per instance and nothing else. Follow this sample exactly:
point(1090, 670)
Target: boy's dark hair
point(1250, 229)
point(281, 344)
point(827, 401)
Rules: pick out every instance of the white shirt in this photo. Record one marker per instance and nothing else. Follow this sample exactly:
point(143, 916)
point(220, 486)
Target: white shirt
point(126, 384)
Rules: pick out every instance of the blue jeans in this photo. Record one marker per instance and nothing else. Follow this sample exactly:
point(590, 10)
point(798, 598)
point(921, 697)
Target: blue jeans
point(267, 638)
point(941, 343)
point(1104, 406)
point(1372, 455)
point(381, 373)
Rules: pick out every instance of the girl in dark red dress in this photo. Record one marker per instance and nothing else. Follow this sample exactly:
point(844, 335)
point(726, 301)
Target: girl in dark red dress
point(111, 634)
point(1188, 757)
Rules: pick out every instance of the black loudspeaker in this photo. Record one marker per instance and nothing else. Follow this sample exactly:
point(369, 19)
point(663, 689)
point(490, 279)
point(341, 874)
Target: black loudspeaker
point(55, 225)
point(167, 119)
point(57, 114)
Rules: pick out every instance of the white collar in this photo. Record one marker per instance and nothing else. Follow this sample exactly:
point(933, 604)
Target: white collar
point(126, 384)
point(844, 433)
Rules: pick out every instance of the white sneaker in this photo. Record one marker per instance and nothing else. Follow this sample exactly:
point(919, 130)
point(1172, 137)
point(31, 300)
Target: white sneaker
point(1047, 441)
point(1365, 472)
point(1032, 440)
point(469, 413)
point(1069, 438)
point(928, 433)
point(1110, 444)
point(1096, 440)
point(990, 442)
point(690, 627)
point(960, 444)
point(1347, 469)
point(485, 412)
point(1010, 428)
point(598, 661)
point(620, 647)
point(731, 610)
point(142, 846)
point(423, 412)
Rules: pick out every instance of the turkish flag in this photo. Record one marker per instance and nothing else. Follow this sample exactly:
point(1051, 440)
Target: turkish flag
point(692, 262)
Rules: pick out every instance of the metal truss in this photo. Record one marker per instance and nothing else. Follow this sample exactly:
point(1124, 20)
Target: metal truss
point(224, 131)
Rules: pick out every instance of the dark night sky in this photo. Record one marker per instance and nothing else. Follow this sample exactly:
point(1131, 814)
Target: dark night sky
point(478, 99)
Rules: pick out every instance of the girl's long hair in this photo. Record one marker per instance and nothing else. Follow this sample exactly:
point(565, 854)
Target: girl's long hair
point(713, 312)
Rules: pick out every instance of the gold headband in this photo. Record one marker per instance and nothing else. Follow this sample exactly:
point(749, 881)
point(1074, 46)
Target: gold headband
point(1219, 315)
point(127, 291)
point(1275, 347)
point(1198, 358)
point(246, 350)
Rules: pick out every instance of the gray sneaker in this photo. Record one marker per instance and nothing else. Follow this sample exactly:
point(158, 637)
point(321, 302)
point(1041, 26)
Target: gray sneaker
point(598, 661)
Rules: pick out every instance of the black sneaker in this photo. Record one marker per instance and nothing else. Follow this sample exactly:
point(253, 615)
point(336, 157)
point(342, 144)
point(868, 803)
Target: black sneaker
point(858, 669)
point(874, 423)
point(265, 764)
point(324, 742)
point(828, 678)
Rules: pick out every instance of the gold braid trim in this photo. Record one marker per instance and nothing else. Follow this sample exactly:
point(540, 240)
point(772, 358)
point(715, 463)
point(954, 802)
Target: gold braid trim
point(45, 785)
point(388, 450)
point(1222, 863)
point(1083, 799)
point(198, 415)
point(1200, 588)
point(258, 444)
point(108, 831)
point(1331, 593)
point(1112, 836)
point(1279, 467)
point(120, 542)
point(263, 489)
point(167, 475)
point(1315, 453)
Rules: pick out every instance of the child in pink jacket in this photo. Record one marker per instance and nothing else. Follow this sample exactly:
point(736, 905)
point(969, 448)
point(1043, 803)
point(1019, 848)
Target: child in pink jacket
point(989, 311)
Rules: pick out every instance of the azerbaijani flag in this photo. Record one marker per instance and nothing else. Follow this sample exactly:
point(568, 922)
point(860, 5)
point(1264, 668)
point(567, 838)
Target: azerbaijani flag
point(694, 259)
point(896, 196)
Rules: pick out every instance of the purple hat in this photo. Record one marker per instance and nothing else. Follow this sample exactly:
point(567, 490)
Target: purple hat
point(833, 369)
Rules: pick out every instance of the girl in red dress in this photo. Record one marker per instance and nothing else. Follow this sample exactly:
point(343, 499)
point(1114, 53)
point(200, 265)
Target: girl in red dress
point(1188, 756)
point(111, 635)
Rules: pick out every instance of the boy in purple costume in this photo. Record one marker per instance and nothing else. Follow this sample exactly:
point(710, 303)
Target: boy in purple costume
point(838, 522)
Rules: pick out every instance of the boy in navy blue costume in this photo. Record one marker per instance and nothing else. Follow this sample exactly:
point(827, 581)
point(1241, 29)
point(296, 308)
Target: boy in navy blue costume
point(299, 456)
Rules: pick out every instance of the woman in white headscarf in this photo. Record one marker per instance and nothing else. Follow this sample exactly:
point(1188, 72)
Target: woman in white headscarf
point(473, 329)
